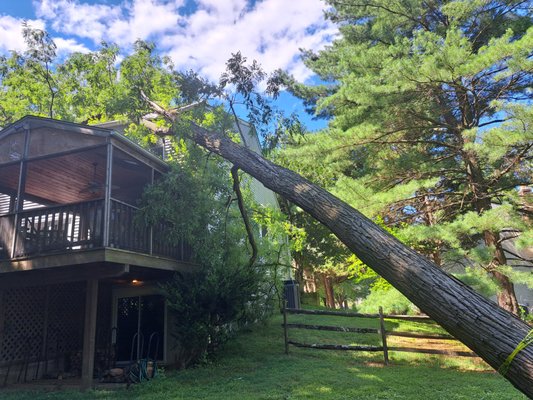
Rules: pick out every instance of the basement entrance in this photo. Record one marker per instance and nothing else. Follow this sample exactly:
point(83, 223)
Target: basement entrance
point(139, 318)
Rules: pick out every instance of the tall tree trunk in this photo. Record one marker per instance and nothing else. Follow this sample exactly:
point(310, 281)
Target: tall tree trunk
point(506, 295)
point(328, 289)
point(487, 329)
point(429, 219)
point(298, 266)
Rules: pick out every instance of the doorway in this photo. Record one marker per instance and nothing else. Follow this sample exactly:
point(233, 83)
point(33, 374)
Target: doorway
point(140, 323)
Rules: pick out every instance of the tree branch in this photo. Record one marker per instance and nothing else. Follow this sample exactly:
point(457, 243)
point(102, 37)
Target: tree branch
point(244, 214)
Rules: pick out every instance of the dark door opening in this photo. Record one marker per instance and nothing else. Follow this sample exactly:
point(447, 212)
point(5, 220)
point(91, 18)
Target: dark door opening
point(144, 315)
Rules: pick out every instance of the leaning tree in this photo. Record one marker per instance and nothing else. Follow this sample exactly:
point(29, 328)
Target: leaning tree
point(490, 331)
point(480, 324)
point(431, 107)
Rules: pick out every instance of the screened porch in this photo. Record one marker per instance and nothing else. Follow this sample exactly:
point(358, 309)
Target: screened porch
point(69, 188)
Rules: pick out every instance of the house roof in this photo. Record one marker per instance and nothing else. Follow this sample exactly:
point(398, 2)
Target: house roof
point(33, 122)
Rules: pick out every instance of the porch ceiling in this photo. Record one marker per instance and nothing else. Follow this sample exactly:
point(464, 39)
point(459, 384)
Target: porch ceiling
point(77, 177)
point(68, 179)
point(59, 180)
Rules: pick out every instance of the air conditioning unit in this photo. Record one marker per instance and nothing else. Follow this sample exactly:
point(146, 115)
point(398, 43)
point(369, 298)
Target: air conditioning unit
point(291, 291)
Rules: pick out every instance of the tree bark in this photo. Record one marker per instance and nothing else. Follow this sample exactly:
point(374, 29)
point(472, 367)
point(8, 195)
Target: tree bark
point(506, 295)
point(328, 289)
point(487, 329)
point(244, 215)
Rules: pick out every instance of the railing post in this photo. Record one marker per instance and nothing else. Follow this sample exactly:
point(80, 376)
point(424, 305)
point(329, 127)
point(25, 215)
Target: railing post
point(151, 236)
point(107, 201)
point(15, 235)
point(285, 332)
point(383, 336)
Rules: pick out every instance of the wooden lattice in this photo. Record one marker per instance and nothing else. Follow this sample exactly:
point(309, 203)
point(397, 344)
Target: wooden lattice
point(65, 318)
point(42, 321)
point(24, 320)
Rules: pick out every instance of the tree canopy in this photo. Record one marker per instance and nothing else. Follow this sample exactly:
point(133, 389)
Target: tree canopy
point(415, 119)
point(431, 124)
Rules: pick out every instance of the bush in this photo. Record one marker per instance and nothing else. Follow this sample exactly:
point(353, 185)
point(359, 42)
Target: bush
point(209, 306)
point(392, 301)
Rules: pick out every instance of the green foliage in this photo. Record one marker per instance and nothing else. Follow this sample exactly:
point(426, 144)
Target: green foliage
point(392, 301)
point(479, 281)
point(208, 307)
point(83, 87)
point(194, 201)
point(198, 216)
point(431, 121)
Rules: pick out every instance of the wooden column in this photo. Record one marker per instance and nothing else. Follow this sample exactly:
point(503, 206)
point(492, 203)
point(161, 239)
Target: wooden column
point(151, 227)
point(89, 333)
point(383, 336)
point(285, 328)
point(107, 194)
point(21, 187)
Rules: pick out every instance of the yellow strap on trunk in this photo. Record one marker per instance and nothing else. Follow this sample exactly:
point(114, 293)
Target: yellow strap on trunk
point(504, 368)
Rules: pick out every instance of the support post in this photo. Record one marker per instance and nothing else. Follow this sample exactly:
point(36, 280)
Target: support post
point(151, 227)
point(107, 194)
point(44, 347)
point(2, 317)
point(285, 332)
point(383, 336)
point(21, 187)
point(89, 333)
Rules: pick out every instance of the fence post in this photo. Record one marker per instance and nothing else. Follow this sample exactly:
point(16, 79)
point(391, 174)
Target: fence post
point(383, 336)
point(285, 327)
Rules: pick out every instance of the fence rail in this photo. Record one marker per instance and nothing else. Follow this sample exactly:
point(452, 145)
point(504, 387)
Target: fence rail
point(383, 333)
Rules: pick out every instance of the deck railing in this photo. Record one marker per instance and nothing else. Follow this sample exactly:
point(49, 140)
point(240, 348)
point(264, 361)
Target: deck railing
point(50, 229)
point(82, 226)
point(124, 232)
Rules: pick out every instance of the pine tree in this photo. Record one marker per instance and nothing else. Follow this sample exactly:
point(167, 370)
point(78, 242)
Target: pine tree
point(432, 122)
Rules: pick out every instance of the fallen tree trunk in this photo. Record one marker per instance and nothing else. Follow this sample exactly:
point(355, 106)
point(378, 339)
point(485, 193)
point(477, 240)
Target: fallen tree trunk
point(480, 324)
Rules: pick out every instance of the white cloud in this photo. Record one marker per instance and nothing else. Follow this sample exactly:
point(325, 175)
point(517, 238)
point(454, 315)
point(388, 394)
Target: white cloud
point(67, 46)
point(272, 31)
point(77, 18)
point(11, 33)
point(122, 23)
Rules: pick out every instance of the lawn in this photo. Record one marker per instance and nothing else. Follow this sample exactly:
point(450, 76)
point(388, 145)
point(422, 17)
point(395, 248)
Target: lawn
point(254, 366)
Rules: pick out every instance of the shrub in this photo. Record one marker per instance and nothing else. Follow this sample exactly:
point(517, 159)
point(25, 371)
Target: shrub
point(209, 306)
point(392, 301)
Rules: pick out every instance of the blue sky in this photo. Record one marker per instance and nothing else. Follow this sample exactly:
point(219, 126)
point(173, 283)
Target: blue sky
point(196, 34)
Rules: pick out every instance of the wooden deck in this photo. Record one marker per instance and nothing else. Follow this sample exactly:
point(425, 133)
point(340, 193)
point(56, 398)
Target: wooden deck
point(78, 234)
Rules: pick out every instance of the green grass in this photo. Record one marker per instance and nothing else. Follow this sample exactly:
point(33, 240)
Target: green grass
point(253, 366)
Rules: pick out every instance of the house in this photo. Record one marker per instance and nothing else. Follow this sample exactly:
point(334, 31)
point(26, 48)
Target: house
point(77, 274)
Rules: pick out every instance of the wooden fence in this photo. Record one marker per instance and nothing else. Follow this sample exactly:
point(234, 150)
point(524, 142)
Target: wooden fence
point(381, 331)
